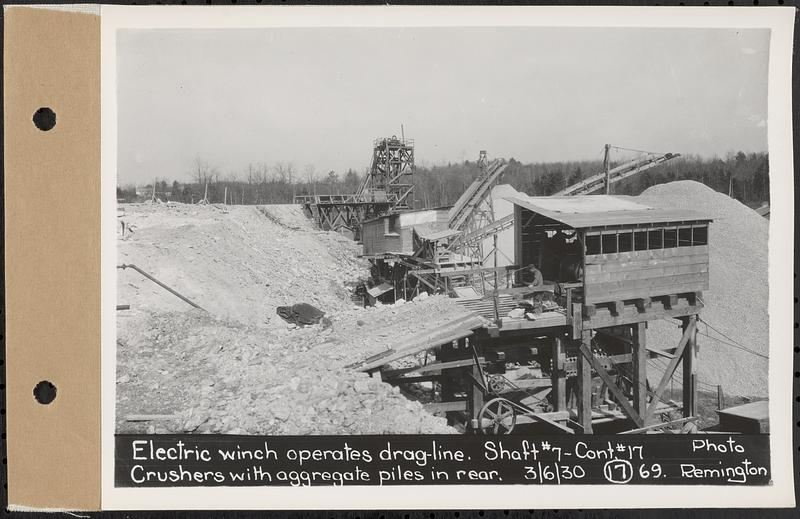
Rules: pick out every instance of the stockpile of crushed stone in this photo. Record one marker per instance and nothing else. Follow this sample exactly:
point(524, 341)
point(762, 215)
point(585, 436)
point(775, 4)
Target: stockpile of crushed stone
point(238, 262)
point(212, 375)
point(736, 303)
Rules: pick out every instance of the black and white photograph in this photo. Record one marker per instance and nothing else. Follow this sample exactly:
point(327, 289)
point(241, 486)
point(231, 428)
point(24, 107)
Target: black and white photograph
point(496, 232)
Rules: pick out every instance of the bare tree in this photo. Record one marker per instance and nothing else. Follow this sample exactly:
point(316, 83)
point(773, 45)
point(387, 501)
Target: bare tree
point(202, 172)
point(310, 178)
point(281, 173)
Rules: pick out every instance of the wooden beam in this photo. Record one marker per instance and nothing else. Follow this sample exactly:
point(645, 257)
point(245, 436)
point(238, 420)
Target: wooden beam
point(446, 272)
point(608, 333)
point(689, 380)
point(431, 366)
point(584, 389)
point(525, 290)
point(622, 399)
point(639, 358)
point(632, 315)
point(687, 334)
point(558, 376)
point(475, 392)
point(661, 425)
point(414, 380)
point(446, 407)
point(543, 418)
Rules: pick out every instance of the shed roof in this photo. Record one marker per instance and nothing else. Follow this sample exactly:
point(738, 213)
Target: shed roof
point(588, 211)
point(411, 211)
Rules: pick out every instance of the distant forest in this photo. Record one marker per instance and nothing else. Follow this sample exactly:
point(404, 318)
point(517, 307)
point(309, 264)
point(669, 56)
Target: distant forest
point(743, 176)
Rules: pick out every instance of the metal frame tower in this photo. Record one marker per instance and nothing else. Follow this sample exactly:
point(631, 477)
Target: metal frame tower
point(391, 174)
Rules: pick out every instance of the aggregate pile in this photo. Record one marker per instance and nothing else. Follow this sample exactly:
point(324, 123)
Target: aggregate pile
point(736, 303)
point(238, 262)
point(239, 368)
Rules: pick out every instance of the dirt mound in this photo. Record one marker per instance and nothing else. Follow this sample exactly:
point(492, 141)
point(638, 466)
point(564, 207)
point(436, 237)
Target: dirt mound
point(736, 303)
point(219, 376)
point(237, 262)
point(240, 368)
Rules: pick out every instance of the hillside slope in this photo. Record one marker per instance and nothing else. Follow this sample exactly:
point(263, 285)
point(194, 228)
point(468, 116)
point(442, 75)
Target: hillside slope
point(239, 368)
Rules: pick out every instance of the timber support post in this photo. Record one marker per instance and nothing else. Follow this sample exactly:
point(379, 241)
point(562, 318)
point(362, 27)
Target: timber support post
point(639, 368)
point(585, 384)
point(689, 378)
point(558, 376)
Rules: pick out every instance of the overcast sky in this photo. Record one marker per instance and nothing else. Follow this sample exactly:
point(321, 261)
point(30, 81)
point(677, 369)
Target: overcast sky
point(320, 96)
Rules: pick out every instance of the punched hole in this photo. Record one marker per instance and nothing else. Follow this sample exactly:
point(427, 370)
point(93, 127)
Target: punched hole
point(44, 392)
point(44, 119)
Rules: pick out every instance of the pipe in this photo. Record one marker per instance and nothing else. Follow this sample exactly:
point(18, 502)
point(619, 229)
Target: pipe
point(162, 285)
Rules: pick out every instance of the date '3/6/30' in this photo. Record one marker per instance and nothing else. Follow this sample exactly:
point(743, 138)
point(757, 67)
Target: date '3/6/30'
point(615, 471)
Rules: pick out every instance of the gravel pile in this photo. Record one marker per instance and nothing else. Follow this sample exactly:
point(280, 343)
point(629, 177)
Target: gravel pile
point(238, 262)
point(239, 368)
point(736, 303)
point(213, 375)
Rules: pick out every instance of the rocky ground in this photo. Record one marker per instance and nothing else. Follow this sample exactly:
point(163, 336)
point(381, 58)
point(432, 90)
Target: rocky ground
point(239, 368)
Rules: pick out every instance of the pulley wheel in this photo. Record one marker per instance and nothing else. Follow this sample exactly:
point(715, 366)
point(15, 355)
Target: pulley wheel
point(497, 416)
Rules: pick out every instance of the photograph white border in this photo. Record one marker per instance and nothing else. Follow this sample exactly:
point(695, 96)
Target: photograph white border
point(780, 20)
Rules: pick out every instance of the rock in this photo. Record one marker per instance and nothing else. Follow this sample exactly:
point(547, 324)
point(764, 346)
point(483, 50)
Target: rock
point(400, 302)
point(361, 386)
point(281, 412)
point(516, 313)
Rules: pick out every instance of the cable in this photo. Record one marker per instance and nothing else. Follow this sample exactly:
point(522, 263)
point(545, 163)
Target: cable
point(620, 148)
point(732, 344)
point(735, 343)
point(736, 346)
point(662, 365)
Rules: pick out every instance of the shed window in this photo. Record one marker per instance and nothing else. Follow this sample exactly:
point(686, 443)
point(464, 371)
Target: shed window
point(685, 237)
point(391, 224)
point(592, 244)
point(609, 243)
point(625, 241)
point(640, 240)
point(700, 235)
point(656, 238)
point(670, 238)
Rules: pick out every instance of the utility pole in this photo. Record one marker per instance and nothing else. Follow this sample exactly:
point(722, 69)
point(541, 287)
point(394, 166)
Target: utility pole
point(606, 168)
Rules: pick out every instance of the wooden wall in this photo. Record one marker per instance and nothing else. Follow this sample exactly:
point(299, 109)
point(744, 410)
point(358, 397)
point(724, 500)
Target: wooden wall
point(376, 241)
point(645, 273)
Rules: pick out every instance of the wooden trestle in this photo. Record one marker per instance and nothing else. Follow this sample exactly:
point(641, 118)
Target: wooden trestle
point(592, 371)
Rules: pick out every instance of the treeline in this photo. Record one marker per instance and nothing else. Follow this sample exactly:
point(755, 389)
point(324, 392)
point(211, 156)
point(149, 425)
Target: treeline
point(743, 176)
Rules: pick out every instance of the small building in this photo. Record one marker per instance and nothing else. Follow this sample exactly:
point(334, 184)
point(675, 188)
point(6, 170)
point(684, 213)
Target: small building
point(144, 191)
point(615, 248)
point(393, 234)
point(751, 418)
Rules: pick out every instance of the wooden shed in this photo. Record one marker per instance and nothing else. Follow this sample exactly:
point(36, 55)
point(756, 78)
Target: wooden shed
point(616, 248)
point(393, 233)
point(751, 418)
